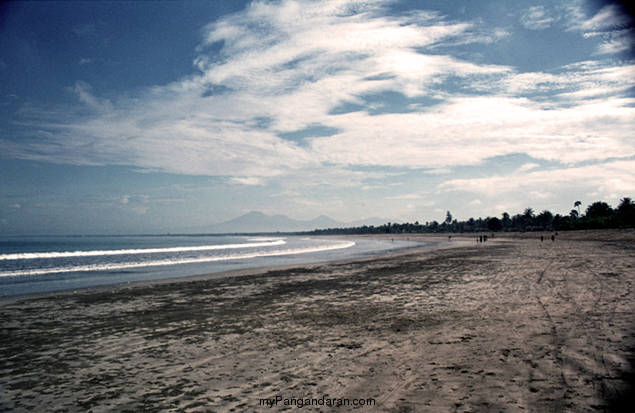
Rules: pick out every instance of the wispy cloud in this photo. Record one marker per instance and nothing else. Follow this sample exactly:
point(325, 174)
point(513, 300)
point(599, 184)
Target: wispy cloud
point(611, 24)
point(285, 67)
point(609, 17)
point(537, 18)
point(528, 166)
point(615, 41)
point(611, 177)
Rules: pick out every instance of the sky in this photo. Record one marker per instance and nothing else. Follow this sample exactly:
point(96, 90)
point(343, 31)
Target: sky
point(153, 117)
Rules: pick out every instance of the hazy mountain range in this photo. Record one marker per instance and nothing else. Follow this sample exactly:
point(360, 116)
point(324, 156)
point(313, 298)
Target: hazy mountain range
point(255, 221)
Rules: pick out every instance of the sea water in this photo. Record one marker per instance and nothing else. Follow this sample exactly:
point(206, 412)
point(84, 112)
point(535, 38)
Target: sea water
point(44, 264)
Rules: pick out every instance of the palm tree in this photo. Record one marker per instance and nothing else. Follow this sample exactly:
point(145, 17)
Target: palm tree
point(528, 216)
point(528, 213)
point(577, 205)
point(626, 204)
point(626, 211)
point(545, 218)
point(506, 221)
point(494, 224)
point(599, 210)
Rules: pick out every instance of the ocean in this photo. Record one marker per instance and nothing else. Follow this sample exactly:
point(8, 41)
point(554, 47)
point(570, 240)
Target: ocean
point(45, 264)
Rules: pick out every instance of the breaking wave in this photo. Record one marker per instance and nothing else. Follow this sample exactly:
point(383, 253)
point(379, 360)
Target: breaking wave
point(70, 254)
point(163, 262)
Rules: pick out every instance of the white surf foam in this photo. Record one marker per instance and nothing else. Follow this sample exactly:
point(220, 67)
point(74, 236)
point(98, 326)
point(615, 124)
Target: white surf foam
point(118, 266)
point(69, 254)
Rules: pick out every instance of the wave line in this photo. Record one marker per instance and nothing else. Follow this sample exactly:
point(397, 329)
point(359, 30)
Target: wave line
point(67, 254)
point(108, 267)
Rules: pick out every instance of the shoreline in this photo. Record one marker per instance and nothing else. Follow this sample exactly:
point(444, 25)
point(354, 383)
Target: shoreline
point(224, 273)
point(512, 324)
point(441, 239)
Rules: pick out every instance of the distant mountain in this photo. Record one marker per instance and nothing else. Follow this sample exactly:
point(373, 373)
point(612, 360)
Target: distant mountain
point(255, 221)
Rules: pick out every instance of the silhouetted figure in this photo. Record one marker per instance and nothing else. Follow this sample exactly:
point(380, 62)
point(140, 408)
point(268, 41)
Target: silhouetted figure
point(553, 238)
point(542, 238)
point(481, 239)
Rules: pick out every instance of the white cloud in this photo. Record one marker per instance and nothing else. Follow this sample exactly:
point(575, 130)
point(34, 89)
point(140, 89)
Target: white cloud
point(615, 42)
point(275, 60)
point(468, 130)
point(286, 66)
point(618, 184)
point(85, 96)
point(407, 196)
point(248, 180)
point(439, 171)
point(137, 204)
point(540, 194)
point(527, 167)
point(611, 23)
point(612, 176)
point(537, 18)
point(609, 17)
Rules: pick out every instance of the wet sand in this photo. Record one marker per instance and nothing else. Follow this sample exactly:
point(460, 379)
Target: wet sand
point(509, 325)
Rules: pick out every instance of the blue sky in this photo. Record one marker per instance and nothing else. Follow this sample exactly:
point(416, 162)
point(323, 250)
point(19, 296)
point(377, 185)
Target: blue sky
point(149, 117)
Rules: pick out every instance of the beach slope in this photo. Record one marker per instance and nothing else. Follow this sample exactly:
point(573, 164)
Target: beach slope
point(512, 324)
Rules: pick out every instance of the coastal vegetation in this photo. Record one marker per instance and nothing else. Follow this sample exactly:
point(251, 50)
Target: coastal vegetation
point(598, 215)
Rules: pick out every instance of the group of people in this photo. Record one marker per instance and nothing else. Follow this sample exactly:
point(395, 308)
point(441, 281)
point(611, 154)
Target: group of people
point(483, 238)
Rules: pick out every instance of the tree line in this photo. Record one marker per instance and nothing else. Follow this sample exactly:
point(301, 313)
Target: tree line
point(598, 215)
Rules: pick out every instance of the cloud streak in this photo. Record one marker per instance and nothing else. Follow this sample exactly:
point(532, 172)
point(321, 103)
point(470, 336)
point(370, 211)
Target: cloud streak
point(610, 24)
point(388, 89)
point(537, 18)
point(610, 178)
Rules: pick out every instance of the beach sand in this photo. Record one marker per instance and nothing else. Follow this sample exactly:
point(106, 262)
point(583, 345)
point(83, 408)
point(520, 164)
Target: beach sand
point(509, 325)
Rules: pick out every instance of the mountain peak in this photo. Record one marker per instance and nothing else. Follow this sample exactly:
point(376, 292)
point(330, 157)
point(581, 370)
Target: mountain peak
point(255, 213)
point(256, 221)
